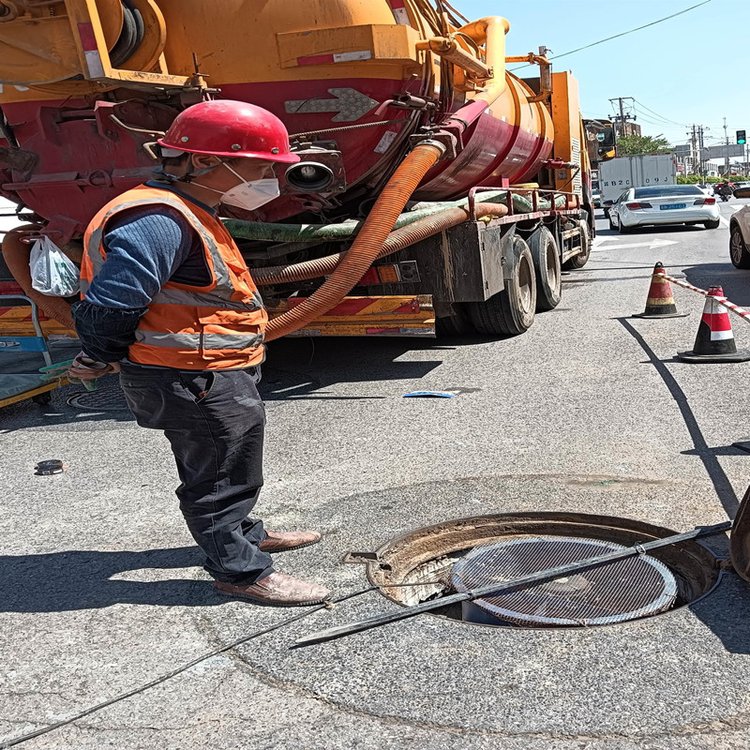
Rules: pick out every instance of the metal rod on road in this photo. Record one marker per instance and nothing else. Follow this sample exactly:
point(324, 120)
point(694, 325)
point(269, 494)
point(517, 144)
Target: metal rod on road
point(498, 587)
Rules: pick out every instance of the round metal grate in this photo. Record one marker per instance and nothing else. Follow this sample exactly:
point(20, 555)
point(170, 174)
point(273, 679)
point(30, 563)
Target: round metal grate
point(107, 397)
point(622, 590)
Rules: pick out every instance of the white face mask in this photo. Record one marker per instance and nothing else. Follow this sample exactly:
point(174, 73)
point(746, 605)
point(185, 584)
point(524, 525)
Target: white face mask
point(247, 195)
point(253, 194)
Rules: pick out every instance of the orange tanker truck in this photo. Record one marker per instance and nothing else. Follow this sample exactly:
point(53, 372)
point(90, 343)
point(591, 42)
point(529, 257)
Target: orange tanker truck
point(436, 190)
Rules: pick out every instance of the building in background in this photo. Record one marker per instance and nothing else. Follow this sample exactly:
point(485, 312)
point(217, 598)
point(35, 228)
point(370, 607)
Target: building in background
point(627, 128)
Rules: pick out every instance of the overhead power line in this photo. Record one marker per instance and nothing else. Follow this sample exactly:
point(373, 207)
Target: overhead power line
point(631, 31)
point(658, 116)
point(624, 33)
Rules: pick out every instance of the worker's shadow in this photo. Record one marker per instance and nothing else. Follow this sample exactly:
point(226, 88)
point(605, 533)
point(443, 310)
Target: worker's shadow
point(91, 579)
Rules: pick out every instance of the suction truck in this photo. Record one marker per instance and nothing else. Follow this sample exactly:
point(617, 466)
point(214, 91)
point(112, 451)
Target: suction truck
point(442, 184)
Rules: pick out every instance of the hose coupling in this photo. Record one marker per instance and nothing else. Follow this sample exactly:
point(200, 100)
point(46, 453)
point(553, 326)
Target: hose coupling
point(446, 142)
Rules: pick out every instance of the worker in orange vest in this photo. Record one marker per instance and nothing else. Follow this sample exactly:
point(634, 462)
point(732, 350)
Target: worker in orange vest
point(168, 301)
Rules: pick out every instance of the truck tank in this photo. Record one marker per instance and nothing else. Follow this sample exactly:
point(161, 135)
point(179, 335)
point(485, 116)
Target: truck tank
point(87, 83)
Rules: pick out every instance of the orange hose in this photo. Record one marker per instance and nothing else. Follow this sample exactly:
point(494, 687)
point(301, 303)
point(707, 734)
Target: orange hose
point(396, 241)
point(366, 246)
point(16, 254)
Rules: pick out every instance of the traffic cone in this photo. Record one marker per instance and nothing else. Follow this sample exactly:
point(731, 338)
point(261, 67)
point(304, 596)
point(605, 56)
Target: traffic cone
point(660, 302)
point(715, 340)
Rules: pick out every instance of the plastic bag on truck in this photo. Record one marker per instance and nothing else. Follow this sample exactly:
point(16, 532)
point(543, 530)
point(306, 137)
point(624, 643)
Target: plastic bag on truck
point(52, 272)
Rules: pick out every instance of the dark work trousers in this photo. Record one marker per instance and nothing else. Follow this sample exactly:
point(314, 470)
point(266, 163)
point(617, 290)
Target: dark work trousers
point(214, 421)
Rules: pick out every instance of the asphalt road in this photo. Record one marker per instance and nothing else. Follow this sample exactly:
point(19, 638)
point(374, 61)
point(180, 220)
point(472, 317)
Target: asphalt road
point(101, 588)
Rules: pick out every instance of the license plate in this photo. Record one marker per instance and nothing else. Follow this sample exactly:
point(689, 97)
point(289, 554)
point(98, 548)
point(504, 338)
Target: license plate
point(669, 206)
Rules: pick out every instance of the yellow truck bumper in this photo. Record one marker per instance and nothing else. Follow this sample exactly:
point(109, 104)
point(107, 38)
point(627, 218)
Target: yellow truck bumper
point(410, 315)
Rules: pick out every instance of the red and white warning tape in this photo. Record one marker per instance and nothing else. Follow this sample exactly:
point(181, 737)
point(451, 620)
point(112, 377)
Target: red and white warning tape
point(723, 301)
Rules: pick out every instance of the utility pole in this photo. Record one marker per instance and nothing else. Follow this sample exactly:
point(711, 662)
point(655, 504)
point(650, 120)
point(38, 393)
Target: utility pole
point(623, 117)
point(726, 155)
point(700, 153)
point(694, 150)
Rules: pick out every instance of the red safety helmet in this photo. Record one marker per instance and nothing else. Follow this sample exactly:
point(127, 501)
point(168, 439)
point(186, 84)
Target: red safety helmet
point(231, 129)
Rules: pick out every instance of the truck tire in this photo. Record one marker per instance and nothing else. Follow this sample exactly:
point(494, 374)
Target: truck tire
point(580, 260)
point(739, 253)
point(546, 256)
point(511, 311)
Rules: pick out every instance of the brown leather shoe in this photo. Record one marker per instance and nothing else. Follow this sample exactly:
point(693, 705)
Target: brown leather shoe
point(281, 541)
point(277, 589)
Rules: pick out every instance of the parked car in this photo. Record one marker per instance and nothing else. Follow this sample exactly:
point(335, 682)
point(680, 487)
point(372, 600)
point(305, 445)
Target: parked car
point(663, 204)
point(739, 238)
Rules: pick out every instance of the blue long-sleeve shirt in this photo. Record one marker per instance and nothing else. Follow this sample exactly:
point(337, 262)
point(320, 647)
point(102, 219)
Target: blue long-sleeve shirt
point(146, 247)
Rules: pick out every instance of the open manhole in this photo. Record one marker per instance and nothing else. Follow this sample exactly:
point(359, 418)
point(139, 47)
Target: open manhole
point(464, 554)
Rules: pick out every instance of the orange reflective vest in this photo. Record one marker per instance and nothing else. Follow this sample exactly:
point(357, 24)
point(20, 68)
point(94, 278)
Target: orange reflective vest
point(215, 327)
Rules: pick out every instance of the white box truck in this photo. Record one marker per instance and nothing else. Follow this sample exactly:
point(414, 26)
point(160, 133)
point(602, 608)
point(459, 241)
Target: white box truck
point(624, 172)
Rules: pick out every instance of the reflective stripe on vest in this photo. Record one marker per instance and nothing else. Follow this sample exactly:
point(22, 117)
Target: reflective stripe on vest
point(203, 341)
point(204, 299)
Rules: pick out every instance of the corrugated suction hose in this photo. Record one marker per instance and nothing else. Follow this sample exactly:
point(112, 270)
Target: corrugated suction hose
point(398, 240)
point(366, 246)
point(16, 255)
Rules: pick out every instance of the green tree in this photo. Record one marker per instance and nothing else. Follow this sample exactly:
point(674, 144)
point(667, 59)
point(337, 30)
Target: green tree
point(634, 145)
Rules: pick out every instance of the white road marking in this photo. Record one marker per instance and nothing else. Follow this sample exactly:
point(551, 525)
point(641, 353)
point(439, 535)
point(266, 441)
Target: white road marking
point(599, 239)
point(657, 242)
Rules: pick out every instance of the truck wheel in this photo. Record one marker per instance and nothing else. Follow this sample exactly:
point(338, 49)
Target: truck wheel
point(580, 260)
point(511, 311)
point(739, 253)
point(546, 256)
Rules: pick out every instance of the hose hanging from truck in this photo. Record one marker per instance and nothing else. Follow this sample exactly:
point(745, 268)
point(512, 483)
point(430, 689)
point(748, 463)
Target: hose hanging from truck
point(402, 238)
point(367, 245)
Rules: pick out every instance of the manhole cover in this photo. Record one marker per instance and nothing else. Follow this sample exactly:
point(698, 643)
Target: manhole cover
point(470, 552)
point(107, 397)
point(622, 590)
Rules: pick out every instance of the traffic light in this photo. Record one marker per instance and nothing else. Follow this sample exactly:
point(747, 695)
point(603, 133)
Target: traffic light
point(741, 139)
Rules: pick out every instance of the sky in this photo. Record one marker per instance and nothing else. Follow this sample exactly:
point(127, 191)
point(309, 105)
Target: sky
point(694, 68)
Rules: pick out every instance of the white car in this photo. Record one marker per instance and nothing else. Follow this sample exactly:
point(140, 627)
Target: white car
point(663, 204)
point(739, 238)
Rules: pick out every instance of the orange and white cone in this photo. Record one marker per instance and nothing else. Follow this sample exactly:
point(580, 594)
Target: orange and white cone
point(715, 340)
point(660, 302)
